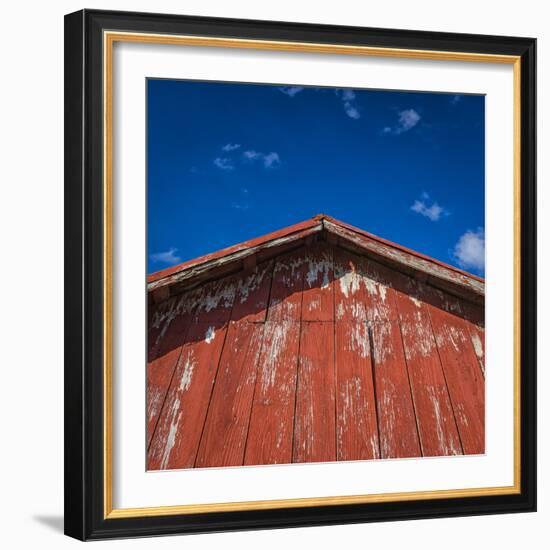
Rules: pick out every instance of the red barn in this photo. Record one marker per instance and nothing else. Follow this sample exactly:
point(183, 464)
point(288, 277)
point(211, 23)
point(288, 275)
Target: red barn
point(319, 342)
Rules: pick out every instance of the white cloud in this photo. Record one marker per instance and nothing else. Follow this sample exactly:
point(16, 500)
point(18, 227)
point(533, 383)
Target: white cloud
point(351, 111)
point(469, 251)
point(240, 205)
point(231, 146)
point(291, 91)
point(406, 120)
point(433, 212)
point(224, 163)
point(168, 257)
point(345, 94)
point(269, 160)
point(251, 155)
point(349, 101)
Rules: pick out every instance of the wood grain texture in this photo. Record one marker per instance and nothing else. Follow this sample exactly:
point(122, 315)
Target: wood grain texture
point(477, 334)
point(434, 412)
point(286, 289)
point(314, 423)
point(226, 428)
point(350, 294)
point(272, 419)
point(161, 367)
point(356, 417)
point(318, 293)
point(380, 296)
point(319, 354)
point(464, 378)
point(396, 416)
point(176, 440)
point(252, 294)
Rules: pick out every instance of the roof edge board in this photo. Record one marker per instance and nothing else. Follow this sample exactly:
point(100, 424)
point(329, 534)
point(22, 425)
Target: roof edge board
point(399, 256)
point(197, 269)
point(436, 273)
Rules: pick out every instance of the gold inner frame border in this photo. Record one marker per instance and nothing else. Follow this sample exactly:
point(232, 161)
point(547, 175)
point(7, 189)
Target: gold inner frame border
point(109, 39)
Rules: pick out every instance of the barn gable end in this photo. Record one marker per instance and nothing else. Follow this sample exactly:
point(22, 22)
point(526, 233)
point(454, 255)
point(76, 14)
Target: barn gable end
point(317, 343)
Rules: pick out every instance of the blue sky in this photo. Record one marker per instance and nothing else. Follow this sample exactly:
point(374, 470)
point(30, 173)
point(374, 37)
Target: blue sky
point(228, 162)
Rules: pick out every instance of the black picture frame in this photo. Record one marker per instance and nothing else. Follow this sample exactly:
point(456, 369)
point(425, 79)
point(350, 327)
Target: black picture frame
point(84, 283)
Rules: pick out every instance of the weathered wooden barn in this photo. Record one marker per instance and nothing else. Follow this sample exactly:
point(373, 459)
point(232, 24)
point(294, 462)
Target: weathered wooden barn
point(319, 342)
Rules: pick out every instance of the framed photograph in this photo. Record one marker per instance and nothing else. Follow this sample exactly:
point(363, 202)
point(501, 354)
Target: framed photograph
point(300, 274)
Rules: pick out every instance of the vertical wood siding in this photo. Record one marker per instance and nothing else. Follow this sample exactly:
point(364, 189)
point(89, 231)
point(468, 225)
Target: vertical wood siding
point(318, 355)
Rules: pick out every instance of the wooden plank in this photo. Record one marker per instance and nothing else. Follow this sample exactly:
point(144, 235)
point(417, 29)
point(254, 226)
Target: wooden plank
point(214, 301)
point(473, 313)
point(161, 367)
point(349, 288)
point(318, 293)
point(176, 439)
point(252, 294)
point(464, 378)
point(477, 334)
point(466, 314)
point(286, 289)
point(224, 437)
point(356, 422)
point(434, 413)
point(272, 419)
point(314, 423)
point(159, 318)
point(396, 417)
point(380, 296)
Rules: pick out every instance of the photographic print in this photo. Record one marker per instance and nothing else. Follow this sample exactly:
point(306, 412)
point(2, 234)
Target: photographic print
point(278, 242)
point(315, 274)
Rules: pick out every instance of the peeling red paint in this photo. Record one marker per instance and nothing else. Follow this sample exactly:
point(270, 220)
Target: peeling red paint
point(318, 354)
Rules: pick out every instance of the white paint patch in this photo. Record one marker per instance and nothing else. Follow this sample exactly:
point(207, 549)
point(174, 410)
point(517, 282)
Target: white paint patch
point(319, 269)
point(478, 346)
point(291, 267)
point(187, 374)
point(210, 335)
point(251, 283)
point(380, 341)
point(415, 301)
point(170, 440)
point(221, 294)
point(154, 402)
point(371, 286)
point(360, 339)
point(448, 445)
point(278, 340)
point(419, 339)
point(349, 283)
point(456, 337)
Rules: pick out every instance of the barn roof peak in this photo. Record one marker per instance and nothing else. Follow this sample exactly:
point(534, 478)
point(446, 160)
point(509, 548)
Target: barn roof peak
point(245, 255)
